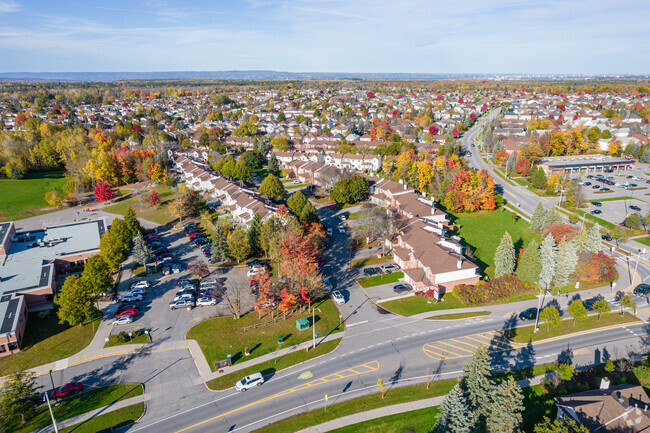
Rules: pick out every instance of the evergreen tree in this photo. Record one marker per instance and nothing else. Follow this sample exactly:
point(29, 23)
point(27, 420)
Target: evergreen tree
point(238, 245)
point(504, 257)
point(505, 408)
point(538, 179)
point(581, 240)
point(219, 248)
point(529, 264)
point(594, 241)
point(141, 253)
point(510, 164)
point(476, 381)
point(254, 235)
point(552, 218)
point(537, 220)
point(567, 259)
point(548, 253)
point(309, 214)
point(273, 167)
point(455, 414)
point(296, 202)
point(560, 426)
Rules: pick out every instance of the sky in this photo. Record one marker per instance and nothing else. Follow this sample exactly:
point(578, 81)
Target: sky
point(363, 36)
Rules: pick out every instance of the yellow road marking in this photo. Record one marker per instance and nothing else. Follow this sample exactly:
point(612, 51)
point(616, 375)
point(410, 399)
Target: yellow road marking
point(464, 342)
point(434, 353)
point(459, 348)
point(196, 318)
point(370, 366)
point(478, 341)
point(447, 351)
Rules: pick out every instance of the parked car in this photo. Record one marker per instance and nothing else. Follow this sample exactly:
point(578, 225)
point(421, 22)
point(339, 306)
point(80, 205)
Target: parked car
point(200, 241)
point(597, 203)
point(208, 281)
point(606, 237)
point(184, 295)
point(126, 312)
point(341, 229)
point(642, 289)
point(206, 302)
point(635, 207)
point(195, 234)
point(164, 260)
point(338, 297)
point(342, 217)
point(185, 281)
point(399, 288)
point(255, 379)
point(66, 390)
point(137, 291)
point(329, 231)
point(123, 320)
point(181, 303)
point(596, 212)
point(589, 303)
point(388, 268)
point(126, 305)
point(140, 285)
point(596, 186)
point(257, 263)
point(605, 189)
point(254, 271)
point(529, 314)
point(587, 183)
point(327, 284)
point(131, 297)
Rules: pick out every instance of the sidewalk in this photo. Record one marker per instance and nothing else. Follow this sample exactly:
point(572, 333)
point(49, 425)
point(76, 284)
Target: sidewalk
point(393, 410)
point(93, 413)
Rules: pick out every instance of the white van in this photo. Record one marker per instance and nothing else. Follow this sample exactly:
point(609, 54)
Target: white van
point(255, 379)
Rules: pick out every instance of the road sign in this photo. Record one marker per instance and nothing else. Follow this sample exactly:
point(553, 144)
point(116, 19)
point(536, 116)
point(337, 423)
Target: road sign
point(306, 375)
point(326, 397)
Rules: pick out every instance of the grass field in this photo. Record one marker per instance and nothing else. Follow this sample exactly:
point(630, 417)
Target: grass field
point(80, 404)
point(416, 305)
point(270, 367)
point(292, 186)
point(615, 199)
point(372, 260)
point(644, 241)
point(261, 172)
point(141, 338)
point(46, 340)
point(24, 198)
point(116, 420)
point(224, 336)
point(418, 421)
point(483, 232)
point(525, 334)
point(143, 209)
point(378, 280)
point(457, 316)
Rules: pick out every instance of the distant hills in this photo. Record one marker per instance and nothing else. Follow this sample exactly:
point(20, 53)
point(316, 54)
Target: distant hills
point(254, 75)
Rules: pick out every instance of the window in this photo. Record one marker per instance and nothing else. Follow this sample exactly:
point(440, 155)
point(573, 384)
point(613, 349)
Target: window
point(12, 346)
point(3, 349)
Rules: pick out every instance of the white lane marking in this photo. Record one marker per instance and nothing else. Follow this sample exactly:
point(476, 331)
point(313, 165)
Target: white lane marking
point(348, 325)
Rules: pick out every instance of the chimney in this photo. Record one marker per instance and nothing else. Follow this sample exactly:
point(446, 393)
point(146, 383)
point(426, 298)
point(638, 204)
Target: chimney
point(604, 383)
point(459, 263)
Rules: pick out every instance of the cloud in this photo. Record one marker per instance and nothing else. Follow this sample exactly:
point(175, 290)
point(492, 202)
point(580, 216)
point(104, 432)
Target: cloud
point(7, 6)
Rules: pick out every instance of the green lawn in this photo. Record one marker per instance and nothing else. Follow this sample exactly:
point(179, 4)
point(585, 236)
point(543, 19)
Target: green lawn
point(644, 241)
point(46, 340)
point(483, 232)
point(143, 209)
point(525, 334)
point(457, 316)
point(116, 420)
point(79, 404)
point(415, 304)
point(372, 260)
point(224, 336)
point(615, 199)
point(261, 172)
point(298, 185)
point(378, 280)
point(139, 338)
point(24, 198)
point(418, 421)
point(270, 367)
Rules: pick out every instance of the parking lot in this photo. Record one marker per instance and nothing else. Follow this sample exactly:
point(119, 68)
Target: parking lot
point(154, 313)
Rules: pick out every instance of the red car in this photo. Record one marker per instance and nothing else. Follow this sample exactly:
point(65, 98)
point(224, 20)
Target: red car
point(127, 312)
point(196, 234)
point(67, 389)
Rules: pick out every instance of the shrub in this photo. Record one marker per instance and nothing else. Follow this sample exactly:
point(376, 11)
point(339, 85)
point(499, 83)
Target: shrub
point(490, 291)
point(562, 231)
point(565, 371)
point(122, 337)
point(609, 366)
point(596, 268)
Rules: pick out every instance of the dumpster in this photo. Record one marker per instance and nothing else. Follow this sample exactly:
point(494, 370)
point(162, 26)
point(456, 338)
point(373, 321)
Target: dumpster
point(302, 323)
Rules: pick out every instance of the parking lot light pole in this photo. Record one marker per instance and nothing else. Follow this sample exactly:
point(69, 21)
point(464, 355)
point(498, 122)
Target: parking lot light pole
point(56, 429)
point(539, 304)
point(313, 326)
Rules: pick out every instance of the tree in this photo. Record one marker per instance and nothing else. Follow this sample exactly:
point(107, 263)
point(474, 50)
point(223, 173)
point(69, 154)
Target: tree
point(132, 222)
point(111, 250)
point(552, 218)
point(122, 234)
point(505, 408)
point(537, 219)
point(564, 425)
point(547, 252)
point(309, 214)
point(198, 267)
point(273, 167)
point(273, 188)
point(538, 179)
point(298, 263)
point(287, 302)
point(567, 259)
point(54, 198)
point(296, 202)
point(476, 381)
point(455, 414)
point(74, 301)
point(154, 198)
point(602, 307)
point(529, 264)
point(634, 221)
point(254, 235)
point(186, 205)
point(103, 191)
point(594, 241)
point(97, 276)
point(626, 301)
point(577, 310)
point(219, 248)
point(551, 316)
point(233, 299)
point(141, 253)
point(504, 257)
point(15, 399)
point(350, 190)
point(238, 245)
point(279, 143)
point(510, 164)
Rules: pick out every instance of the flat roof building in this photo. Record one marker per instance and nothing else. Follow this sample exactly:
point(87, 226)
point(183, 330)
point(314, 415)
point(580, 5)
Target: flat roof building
point(584, 164)
point(29, 262)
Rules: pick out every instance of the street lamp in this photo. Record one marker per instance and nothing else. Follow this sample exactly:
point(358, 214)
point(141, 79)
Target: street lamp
point(47, 398)
point(313, 326)
point(542, 294)
point(635, 267)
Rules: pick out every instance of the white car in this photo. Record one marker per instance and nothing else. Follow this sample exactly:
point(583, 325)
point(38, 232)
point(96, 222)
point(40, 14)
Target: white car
point(206, 302)
point(208, 281)
point(295, 182)
point(342, 217)
point(136, 291)
point(338, 297)
point(132, 297)
point(255, 379)
point(341, 229)
point(140, 285)
point(329, 231)
point(254, 272)
point(185, 295)
point(123, 320)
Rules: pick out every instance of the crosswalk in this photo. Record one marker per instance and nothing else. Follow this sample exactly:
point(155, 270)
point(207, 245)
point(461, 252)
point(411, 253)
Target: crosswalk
point(465, 346)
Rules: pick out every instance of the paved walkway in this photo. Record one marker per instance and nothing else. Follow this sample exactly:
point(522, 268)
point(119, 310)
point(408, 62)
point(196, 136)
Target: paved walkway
point(393, 410)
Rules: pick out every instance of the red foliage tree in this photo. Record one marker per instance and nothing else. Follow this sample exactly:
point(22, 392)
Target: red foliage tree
point(298, 263)
point(562, 231)
point(461, 101)
point(472, 116)
point(433, 130)
point(483, 108)
point(303, 298)
point(370, 95)
point(287, 302)
point(394, 114)
point(502, 156)
point(455, 132)
point(103, 191)
point(522, 166)
point(154, 198)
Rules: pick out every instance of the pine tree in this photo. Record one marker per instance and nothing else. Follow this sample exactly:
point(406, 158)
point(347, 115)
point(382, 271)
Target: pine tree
point(505, 408)
point(510, 164)
point(254, 235)
point(537, 220)
point(141, 253)
point(552, 218)
point(455, 414)
point(273, 167)
point(567, 259)
point(219, 248)
point(538, 179)
point(296, 202)
point(476, 381)
point(594, 241)
point(238, 245)
point(309, 214)
point(504, 257)
point(547, 252)
point(581, 241)
point(529, 264)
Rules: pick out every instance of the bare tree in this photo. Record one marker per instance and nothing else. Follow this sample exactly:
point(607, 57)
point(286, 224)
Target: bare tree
point(199, 268)
point(233, 299)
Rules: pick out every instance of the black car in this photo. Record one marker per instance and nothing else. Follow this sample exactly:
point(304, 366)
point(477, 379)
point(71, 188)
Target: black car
point(529, 314)
point(635, 207)
point(596, 212)
point(596, 203)
point(606, 237)
point(200, 241)
point(596, 186)
point(589, 303)
point(642, 289)
point(370, 271)
point(587, 183)
point(399, 288)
